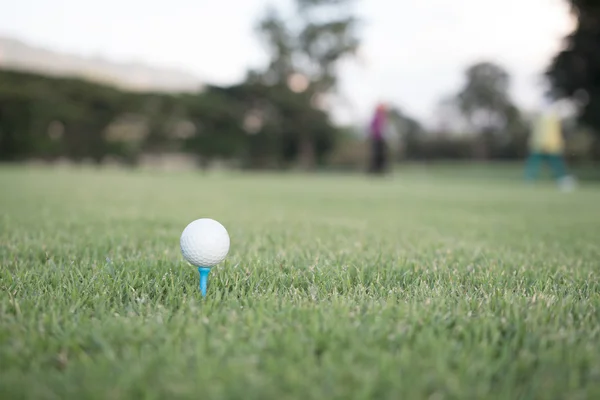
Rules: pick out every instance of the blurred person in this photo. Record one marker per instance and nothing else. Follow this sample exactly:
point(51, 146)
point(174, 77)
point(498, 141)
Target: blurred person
point(377, 127)
point(546, 145)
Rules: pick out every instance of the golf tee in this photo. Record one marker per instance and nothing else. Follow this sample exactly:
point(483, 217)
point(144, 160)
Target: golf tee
point(203, 279)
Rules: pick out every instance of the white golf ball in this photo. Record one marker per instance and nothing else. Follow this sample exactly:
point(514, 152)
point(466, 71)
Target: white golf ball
point(204, 242)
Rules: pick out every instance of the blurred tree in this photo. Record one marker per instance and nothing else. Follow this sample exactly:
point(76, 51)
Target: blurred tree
point(216, 117)
point(258, 122)
point(15, 135)
point(304, 54)
point(575, 71)
point(31, 103)
point(449, 116)
point(485, 102)
point(160, 111)
point(86, 110)
point(409, 131)
point(275, 119)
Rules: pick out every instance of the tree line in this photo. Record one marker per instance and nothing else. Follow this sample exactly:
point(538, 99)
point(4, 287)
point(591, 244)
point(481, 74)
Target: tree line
point(258, 125)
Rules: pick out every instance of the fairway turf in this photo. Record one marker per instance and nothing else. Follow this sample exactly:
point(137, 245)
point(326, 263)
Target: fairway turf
point(417, 286)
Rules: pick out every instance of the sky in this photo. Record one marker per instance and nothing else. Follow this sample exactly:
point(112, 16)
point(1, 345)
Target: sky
point(414, 52)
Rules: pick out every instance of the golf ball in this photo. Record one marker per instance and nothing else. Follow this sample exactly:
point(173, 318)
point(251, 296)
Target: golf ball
point(204, 242)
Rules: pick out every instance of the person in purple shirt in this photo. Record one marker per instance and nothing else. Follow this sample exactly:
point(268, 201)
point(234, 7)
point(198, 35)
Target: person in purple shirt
point(376, 135)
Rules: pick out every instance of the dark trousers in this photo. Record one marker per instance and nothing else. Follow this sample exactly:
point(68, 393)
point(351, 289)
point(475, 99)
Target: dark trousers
point(555, 161)
point(378, 156)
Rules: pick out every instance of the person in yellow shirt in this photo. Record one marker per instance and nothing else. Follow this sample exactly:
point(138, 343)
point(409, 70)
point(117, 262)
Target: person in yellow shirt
point(546, 145)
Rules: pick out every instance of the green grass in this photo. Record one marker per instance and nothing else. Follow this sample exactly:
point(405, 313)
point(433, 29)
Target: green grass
point(423, 285)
